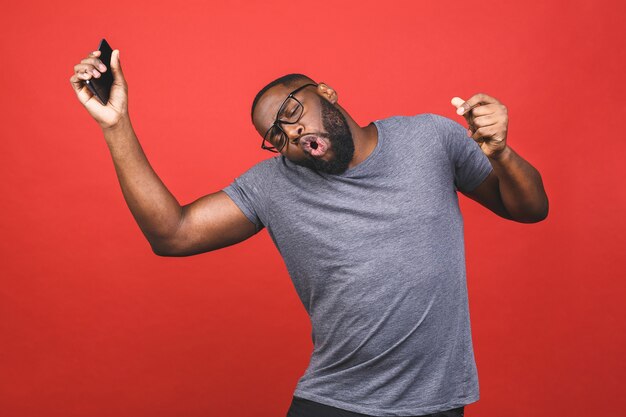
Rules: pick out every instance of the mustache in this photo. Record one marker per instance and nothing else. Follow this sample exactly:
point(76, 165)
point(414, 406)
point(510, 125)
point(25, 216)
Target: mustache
point(313, 135)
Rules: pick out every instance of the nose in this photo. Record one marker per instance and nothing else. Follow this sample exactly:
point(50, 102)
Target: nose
point(293, 131)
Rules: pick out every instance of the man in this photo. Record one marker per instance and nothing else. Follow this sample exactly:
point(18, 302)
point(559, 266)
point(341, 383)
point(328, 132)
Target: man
point(368, 224)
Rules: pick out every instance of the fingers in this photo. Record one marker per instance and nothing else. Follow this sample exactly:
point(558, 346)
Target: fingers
point(476, 100)
point(481, 133)
point(479, 110)
point(457, 101)
point(91, 65)
point(483, 121)
point(486, 117)
point(84, 71)
point(481, 126)
point(116, 68)
point(82, 92)
point(487, 109)
point(469, 117)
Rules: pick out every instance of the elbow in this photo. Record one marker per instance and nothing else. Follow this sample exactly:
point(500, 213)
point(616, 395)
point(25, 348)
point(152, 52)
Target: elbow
point(165, 252)
point(542, 216)
point(532, 219)
point(161, 252)
point(172, 250)
point(535, 216)
point(162, 248)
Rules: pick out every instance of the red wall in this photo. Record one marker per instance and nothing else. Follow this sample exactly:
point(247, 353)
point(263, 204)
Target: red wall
point(92, 323)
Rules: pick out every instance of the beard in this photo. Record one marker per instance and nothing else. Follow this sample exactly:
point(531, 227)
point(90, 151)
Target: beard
point(340, 139)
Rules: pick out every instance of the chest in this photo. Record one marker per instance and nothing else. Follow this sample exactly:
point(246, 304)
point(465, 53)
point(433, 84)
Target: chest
point(390, 204)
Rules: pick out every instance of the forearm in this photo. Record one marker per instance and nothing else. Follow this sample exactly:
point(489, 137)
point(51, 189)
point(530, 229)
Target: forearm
point(521, 187)
point(155, 209)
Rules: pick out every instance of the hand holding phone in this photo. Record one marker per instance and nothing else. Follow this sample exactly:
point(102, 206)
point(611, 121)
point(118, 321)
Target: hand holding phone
point(100, 86)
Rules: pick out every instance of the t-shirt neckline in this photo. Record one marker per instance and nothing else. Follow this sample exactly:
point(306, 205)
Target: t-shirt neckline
point(364, 163)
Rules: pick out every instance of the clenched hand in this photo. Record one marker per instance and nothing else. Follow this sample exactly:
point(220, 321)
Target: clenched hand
point(487, 121)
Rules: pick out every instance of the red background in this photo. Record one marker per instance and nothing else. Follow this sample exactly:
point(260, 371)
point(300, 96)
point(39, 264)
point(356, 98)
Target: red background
point(92, 323)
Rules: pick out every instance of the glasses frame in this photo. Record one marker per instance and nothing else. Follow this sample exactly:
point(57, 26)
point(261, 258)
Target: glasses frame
point(277, 122)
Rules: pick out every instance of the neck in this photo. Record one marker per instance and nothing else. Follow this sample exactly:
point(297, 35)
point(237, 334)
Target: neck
point(365, 139)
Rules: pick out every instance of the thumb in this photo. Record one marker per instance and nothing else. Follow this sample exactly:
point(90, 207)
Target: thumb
point(458, 103)
point(116, 68)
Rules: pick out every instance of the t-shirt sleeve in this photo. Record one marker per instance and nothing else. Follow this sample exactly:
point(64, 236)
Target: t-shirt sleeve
point(249, 192)
point(471, 165)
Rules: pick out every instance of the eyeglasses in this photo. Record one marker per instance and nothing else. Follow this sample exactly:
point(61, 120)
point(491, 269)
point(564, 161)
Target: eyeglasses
point(288, 113)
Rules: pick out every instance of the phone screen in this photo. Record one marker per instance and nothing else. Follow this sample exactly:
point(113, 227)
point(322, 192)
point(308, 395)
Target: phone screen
point(101, 87)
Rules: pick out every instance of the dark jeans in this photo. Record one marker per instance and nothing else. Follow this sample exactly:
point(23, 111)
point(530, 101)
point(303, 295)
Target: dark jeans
point(301, 407)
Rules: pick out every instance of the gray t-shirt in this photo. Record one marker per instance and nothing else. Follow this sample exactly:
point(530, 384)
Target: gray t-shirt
point(376, 255)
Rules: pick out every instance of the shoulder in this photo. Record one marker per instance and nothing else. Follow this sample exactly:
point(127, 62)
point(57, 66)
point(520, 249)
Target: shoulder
point(431, 125)
point(406, 128)
point(404, 120)
point(444, 125)
point(263, 168)
point(421, 121)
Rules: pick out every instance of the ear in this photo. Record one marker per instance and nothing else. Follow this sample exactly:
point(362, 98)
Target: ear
point(327, 92)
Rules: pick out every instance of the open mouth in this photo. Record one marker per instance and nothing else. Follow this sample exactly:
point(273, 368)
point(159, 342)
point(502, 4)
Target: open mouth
point(315, 145)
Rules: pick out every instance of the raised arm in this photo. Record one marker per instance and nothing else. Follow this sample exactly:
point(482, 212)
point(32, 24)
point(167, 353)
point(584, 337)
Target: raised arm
point(209, 223)
point(514, 189)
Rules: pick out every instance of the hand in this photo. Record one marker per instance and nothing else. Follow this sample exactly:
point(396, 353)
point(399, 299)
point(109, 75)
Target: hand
point(487, 120)
point(117, 107)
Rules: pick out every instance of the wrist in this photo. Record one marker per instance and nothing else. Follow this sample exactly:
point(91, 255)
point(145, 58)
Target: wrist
point(502, 156)
point(122, 124)
point(120, 132)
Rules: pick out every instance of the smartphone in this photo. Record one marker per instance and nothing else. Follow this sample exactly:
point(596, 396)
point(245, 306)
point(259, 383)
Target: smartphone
point(101, 87)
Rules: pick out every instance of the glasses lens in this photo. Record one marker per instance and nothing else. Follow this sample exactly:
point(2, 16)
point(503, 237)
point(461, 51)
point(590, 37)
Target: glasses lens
point(291, 111)
point(280, 140)
point(276, 138)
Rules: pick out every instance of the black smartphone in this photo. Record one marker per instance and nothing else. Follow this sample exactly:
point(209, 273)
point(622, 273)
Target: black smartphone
point(101, 87)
